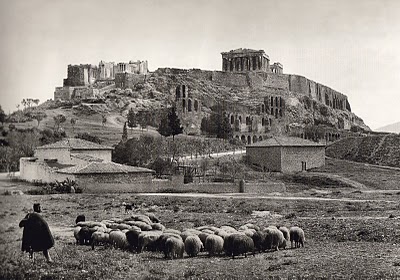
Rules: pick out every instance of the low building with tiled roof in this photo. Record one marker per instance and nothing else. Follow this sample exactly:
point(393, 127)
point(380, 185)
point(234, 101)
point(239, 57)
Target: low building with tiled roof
point(286, 154)
point(88, 164)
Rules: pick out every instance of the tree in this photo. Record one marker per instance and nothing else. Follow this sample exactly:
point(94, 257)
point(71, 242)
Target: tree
point(88, 137)
point(217, 124)
point(58, 120)
point(2, 116)
point(73, 123)
point(142, 120)
point(38, 116)
point(172, 124)
point(131, 119)
point(124, 133)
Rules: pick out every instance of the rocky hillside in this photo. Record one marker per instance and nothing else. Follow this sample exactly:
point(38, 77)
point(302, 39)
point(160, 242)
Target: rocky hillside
point(374, 149)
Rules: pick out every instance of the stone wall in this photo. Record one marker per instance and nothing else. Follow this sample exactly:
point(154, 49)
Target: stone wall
point(62, 155)
point(32, 169)
point(128, 80)
point(292, 158)
point(230, 79)
point(265, 158)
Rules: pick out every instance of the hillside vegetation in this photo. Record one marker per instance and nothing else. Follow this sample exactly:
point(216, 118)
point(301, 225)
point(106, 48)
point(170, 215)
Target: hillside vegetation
point(374, 149)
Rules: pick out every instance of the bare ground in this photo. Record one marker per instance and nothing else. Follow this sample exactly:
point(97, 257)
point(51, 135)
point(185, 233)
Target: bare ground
point(350, 233)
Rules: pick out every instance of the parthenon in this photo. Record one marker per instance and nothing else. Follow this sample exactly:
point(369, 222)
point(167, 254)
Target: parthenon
point(244, 60)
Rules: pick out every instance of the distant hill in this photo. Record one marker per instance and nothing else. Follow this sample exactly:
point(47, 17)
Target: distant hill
point(374, 149)
point(394, 128)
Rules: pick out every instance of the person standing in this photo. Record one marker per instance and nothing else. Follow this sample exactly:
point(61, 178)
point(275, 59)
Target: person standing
point(36, 236)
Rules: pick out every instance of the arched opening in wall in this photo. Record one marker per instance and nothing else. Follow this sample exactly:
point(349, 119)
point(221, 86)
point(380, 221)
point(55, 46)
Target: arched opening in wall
point(232, 119)
point(183, 90)
point(276, 101)
point(276, 113)
point(270, 121)
point(237, 137)
point(255, 139)
point(243, 139)
point(260, 138)
point(196, 105)
point(183, 105)
point(272, 102)
point(247, 120)
point(189, 105)
point(262, 108)
point(249, 139)
point(240, 119)
point(263, 122)
point(254, 63)
point(230, 65)
point(178, 92)
point(280, 113)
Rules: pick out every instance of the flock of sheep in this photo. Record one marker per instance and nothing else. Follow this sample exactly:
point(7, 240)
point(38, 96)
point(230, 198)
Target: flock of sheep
point(142, 232)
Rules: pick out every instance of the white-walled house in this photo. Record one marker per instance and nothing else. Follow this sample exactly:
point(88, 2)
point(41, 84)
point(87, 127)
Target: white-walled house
point(87, 163)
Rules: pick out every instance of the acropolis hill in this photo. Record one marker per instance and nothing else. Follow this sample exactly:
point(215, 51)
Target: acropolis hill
point(259, 99)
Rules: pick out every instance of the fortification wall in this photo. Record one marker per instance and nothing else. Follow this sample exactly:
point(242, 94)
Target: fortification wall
point(230, 79)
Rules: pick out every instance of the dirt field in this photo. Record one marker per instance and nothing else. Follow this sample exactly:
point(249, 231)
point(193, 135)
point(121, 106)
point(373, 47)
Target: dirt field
point(350, 233)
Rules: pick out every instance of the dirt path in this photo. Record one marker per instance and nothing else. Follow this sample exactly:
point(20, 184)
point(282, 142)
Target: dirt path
point(257, 196)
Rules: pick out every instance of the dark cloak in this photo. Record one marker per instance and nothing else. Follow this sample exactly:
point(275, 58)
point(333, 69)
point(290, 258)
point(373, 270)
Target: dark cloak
point(36, 235)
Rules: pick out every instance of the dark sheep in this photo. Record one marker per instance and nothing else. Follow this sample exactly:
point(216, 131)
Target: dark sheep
point(238, 244)
point(85, 235)
point(80, 218)
point(174, 248)
point(36, 236)
point(133, 239)
point(297, 236)
point(259, 240)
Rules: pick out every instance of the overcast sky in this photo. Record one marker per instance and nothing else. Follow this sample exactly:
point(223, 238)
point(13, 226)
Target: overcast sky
point(351, 46)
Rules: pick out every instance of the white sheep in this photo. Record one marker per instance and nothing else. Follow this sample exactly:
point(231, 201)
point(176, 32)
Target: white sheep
point(297, 236)
point(118, 239)
point(285, 232)
point(193, 245)
point(100, 237)
point(214, 244)
point(77, 230)
point(174, 248)
point(274, 239)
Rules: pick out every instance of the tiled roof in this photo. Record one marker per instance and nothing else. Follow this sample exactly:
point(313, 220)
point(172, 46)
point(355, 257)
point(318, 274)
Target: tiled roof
point(286, 142)
point(75, 144)
point(104, 168)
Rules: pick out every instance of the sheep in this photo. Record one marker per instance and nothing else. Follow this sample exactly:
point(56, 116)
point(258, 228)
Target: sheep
point(259, 240)
point(237, 244)
point(141, 218)
point(142, 225)
point(274, 239)
point(158, 226)
point(99, 237)
point(90, 224)
point(85, 235)
point(212, 228)
point(77, 230)
point(153, 218)
point(148, 240)
point(285, 232)
point(252, 226)
point(174, 248)
point(170, 230)
point(118, 239)
point(221, 233)
point(203, 237)
point(188, 232)
point(248, 232)
point(132, 237)
point(193, 245)
point(297, 236)
point(80, 218)
point(163, 238)
point(214, 244)
point(229, 229)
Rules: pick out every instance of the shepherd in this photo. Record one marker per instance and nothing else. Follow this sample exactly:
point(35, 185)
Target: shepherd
point(36, 236)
